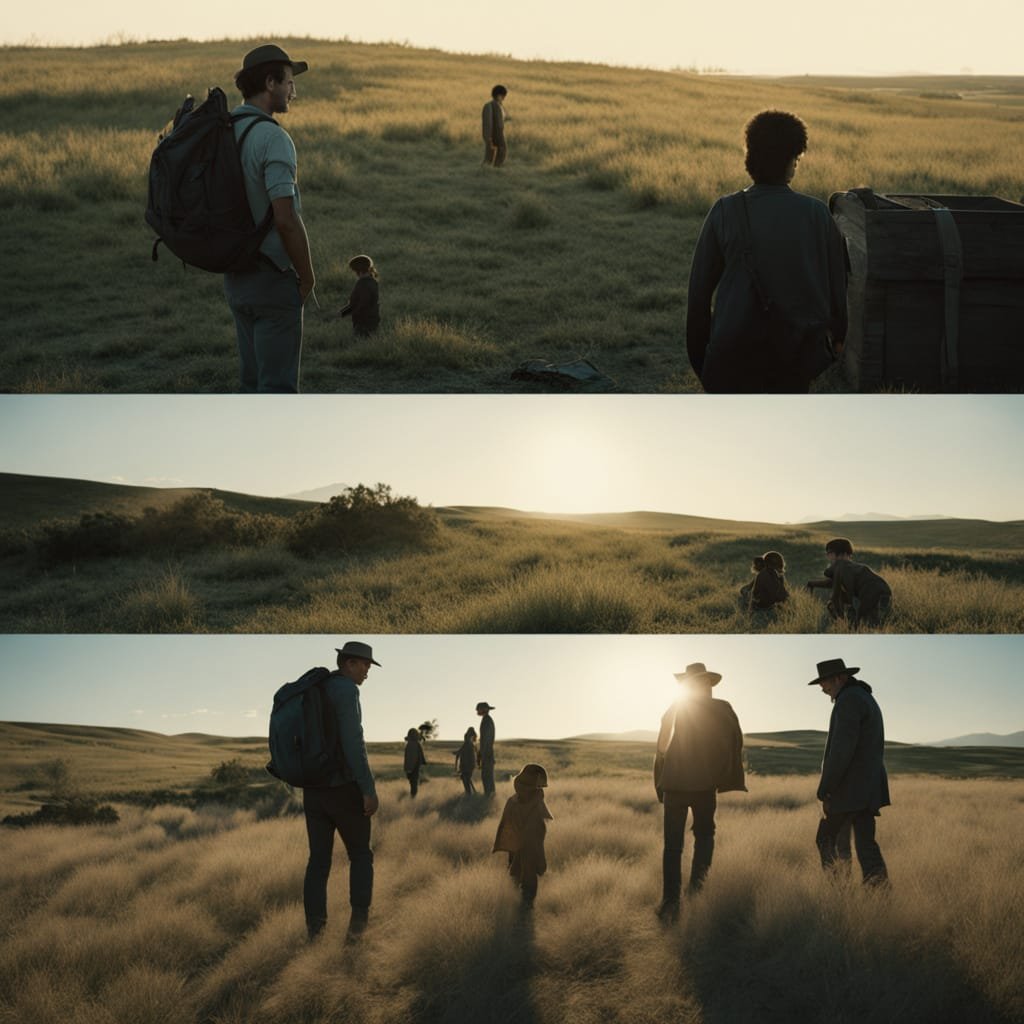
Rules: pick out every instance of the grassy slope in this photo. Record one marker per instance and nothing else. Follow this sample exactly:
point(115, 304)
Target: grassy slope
point(578, 248)
point(499, 571)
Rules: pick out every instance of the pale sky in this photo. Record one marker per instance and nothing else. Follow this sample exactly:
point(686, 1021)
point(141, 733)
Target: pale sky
point(799, 37)
point(543, 687)
point(764, 458)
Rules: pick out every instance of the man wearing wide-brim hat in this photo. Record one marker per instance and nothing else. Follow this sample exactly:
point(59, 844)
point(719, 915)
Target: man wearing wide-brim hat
point(485, 752)
point(699, 755)
point(348, 801)
point(267, 300)
point(854, 785)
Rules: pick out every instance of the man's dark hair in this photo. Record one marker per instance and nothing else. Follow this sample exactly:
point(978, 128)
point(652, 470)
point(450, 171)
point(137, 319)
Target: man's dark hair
point(498, 90)
point(773, 138)
point(839, 546)
point(252, 81)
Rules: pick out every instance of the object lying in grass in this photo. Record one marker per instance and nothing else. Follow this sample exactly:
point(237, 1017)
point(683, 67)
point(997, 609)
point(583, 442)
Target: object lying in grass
point(581, 375)
point(76, 810)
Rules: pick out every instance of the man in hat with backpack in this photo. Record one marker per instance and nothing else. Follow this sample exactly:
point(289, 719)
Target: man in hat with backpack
point(699, 754)
point(854, 785)
point(346, 801)
point(267, 301)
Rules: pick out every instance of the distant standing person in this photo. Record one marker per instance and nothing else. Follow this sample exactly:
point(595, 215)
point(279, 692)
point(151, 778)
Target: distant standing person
point(465, 761)
point(267, 303)
point(699, 754)
point(414, 759)
point(522, 829)
point(800, 259)
point(364, 302)
point(347, 804)
point(485, 755)
point(854, 785)
point(493, 116)
point(859, 594)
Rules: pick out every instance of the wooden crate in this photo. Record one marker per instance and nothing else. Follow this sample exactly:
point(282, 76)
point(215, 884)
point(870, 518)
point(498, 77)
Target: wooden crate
point(936, 292)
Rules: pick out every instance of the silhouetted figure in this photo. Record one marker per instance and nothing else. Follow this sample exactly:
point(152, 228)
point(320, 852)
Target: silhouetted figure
point(859, 594)
point(465, 760)
point(522, 829)
point(485, 755)
point(756, 565)
point(700, 754)
point(364, 302)
point(769, 586)
point(798, 256)
point(347, 804)
point(414, 759)
point(854, 785)
point(493, 118)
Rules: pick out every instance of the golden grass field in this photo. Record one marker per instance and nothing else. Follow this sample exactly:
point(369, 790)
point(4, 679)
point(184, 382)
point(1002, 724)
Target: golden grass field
point(178, 915)
point(578, 248)
point(486, 570)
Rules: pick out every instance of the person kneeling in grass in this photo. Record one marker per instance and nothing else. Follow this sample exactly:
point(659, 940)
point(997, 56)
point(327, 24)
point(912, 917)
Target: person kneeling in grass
point(522, 829)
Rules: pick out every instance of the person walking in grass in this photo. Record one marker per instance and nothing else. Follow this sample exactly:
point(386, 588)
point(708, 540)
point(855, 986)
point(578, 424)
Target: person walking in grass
point(769, 585)
point(414, 759)
point(364, 302)
point(699, 754)
point(859, 594)
point(493, 117)
point(267, 302)
point(347, 803)
point(522, 829)
point(853, 786)
point(485, 753)
point(800, 261)
point(465, 761)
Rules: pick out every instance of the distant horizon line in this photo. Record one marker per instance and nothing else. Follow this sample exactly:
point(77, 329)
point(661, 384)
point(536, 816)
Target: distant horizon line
point(120, 39)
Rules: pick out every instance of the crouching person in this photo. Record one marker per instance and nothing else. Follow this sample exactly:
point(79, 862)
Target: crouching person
point(522, 829)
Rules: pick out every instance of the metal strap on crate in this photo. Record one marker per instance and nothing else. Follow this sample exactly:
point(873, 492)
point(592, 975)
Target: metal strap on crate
point(953, 272)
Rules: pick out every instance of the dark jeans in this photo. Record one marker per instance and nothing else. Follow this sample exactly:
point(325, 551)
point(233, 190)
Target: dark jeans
point(467, 782)
point(677, 804)
point(830, 843)
point(487, 778)
point(337, 808)
point(414, 781)
point(268, 323)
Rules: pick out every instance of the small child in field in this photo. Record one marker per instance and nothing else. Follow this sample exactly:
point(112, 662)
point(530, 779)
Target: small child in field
point(465, 760)
point(364, 302)
point(413, 759)
point(769, 587)
point(522, 829)
point(756, 565)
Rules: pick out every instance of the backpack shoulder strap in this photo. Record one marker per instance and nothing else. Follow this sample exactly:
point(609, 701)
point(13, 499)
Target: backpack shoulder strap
point(253, 119)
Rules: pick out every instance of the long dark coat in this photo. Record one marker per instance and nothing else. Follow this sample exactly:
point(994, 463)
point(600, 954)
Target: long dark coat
point(700, 747)
point(853, 776)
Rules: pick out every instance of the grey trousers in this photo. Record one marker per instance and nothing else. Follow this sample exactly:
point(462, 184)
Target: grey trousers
point(268, 322)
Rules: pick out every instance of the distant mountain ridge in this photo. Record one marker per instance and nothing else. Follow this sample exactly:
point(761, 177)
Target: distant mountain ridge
point(872, 517)
point(983, 739)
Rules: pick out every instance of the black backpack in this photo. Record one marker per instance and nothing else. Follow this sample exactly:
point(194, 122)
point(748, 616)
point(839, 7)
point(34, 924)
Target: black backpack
point(305, 749)
point(197, 202)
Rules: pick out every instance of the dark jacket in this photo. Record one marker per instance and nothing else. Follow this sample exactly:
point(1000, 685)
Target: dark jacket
point(801, 262)
point(413, 756)
point(769, 589)
point(853, 774)
point(521, 833)
point(700, 747)
point(465, 758)
point(486, 754)
point(364, 305)
point(855, 582)
point(492, 119)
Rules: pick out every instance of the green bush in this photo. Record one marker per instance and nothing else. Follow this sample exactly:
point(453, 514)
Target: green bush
point(362, 518)
point(76, 810)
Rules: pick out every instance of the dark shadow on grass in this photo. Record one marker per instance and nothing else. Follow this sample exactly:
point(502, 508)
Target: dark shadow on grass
point(467, 809)
point(795, 966)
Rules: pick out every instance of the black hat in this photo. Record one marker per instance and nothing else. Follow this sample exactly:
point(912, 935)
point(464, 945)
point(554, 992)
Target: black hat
point(832, 668)
point(484, 706)
point(413, 734)
point(355, 649)
point(697, 673)
point(271, 53)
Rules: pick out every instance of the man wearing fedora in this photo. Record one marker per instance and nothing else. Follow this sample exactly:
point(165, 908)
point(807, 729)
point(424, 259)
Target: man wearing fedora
point(854, 785)
point(267, 302)
point(699, 754)
point(347, 803)
point(485, 752)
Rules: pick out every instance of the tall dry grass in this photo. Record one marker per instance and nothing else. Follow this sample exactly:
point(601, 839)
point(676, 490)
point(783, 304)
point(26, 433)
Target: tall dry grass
point(145, 922)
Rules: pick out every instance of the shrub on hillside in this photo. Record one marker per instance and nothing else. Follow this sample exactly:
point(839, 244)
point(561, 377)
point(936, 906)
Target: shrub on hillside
point(95, 535)
point(359, 518)
point(201, 520)
point(75, 810)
